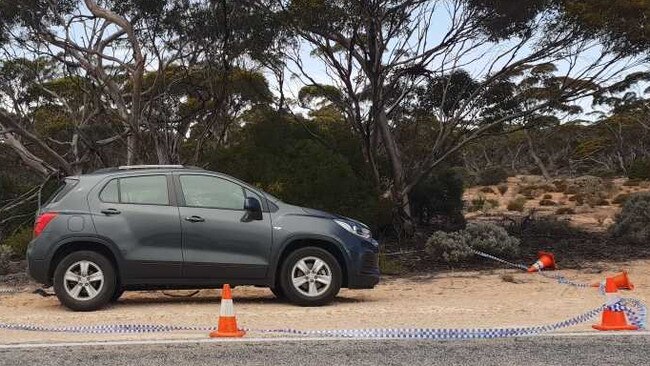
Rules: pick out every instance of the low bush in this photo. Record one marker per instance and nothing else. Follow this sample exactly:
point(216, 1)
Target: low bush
point(18, 241)
point(487, 190)
point(456, 246)
point(5, 258)
point(565, 211)
point(639, 169)
point(632, 183)
point(632, 224)
point(390, 266)
point(503, 188)
point(492, 176)
point(546, 202)
point(518, 204)
point(621, 198)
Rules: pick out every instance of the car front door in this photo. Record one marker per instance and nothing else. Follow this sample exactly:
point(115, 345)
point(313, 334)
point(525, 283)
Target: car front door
point(219, 242)
point(137, 214)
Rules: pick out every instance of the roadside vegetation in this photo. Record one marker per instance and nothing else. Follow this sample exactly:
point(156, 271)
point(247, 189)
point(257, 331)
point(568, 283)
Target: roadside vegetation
point(435, 149)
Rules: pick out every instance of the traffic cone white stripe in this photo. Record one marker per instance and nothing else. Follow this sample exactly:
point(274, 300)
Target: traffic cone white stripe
point(227, 308)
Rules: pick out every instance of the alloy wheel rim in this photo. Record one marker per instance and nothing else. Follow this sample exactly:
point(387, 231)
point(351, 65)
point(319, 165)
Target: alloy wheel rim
point(311, 276)
point(83, 280)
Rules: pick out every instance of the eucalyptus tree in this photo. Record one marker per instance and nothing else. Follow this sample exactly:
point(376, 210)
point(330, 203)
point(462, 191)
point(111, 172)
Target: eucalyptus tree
point(378, 53)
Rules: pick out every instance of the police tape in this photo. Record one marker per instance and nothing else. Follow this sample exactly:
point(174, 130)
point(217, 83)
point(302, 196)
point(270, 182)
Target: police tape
point(635, 310)
point(559, 278)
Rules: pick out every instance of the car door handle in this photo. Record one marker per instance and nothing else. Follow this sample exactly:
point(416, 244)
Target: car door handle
point(194, 219)
point(111, 211)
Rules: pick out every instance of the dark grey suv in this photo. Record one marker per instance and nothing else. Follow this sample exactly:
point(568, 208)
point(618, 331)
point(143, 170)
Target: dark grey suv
point(175, 227)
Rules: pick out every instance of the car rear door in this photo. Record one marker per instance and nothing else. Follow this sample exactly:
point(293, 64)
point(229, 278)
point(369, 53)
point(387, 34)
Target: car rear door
point(138, 214)
point(218, 242)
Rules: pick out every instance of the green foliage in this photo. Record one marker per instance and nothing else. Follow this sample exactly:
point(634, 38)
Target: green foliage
point(5, 258)
point(518, 204)
point(18, 241)
point(565, 211)
point(546, 202)
point(456, 246)
point(280, 155)
point(640, 169)
point(492, 175)
point(621, 198)
point(441, 194)
point(632, 224)
point(390, 265)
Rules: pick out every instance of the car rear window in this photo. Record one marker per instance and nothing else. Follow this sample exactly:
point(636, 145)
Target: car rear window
point(57, 189)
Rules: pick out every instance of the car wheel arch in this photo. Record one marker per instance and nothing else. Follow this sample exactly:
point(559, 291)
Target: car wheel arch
point(75, 244)
point(330, 246)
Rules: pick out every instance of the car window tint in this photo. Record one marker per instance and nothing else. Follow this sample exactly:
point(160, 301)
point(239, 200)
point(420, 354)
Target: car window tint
point(211, 192)
point(110, 192)
point(151, 190)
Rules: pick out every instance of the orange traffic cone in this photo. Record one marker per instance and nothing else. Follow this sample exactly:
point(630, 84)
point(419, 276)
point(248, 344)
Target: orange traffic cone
point(545, 260)
point(227, 319)
point(621, 280)
point(613, 316)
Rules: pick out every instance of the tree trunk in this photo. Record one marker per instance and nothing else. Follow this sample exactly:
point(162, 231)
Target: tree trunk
point(536, 158)
point(398, 191)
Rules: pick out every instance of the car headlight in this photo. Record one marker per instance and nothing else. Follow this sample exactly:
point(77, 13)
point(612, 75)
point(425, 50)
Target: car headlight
point(355, 228)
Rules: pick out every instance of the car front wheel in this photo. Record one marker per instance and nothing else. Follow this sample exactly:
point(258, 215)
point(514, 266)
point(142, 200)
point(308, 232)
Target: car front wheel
point(310, 277)
point(84, 281)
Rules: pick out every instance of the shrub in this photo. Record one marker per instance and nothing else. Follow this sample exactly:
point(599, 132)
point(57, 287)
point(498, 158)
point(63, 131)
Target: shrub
point(5, 257)
point(518, 204)
point(492, 176)
point(456, 246)
point(640, 169)
point(487, 190)
point(621, 198)
point(547, 203)
point(503, 188)
point(633, 222)
point(560, 186)
point(565, 211)
point(477, 203)
point(440, 196)
point(18, 241)
point(389, 266)
point(632, 183)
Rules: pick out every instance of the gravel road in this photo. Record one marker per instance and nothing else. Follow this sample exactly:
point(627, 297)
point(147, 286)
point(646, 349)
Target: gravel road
point(543, 350)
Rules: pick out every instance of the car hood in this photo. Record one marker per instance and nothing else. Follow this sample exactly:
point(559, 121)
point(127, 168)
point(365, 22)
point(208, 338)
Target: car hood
point(328, 215)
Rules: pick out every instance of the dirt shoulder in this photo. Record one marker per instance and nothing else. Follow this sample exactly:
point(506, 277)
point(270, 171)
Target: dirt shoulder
point(451, 299)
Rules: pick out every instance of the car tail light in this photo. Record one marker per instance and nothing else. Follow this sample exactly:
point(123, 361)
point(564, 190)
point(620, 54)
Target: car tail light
point(42, 221)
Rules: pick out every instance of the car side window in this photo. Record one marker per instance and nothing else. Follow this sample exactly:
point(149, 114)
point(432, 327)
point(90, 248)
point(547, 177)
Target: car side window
point(110, 193)
point(211, 192)
point(148, 190)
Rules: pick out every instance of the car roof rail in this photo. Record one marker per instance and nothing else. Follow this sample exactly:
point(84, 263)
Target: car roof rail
point(129, 167)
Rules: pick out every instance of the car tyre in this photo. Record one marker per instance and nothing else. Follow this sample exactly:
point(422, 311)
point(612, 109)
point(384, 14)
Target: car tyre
point(85, 281)
point(278, 292)
point(310, 277)
point(117, 294)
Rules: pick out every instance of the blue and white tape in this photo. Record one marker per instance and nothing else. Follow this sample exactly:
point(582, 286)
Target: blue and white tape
point(559, 278)
point(634, 309)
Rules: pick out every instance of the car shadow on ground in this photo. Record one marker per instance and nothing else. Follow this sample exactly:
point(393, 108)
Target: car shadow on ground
point(215, 299)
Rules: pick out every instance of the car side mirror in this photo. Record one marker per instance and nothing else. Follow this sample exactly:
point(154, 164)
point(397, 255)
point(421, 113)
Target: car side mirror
point(253, 209)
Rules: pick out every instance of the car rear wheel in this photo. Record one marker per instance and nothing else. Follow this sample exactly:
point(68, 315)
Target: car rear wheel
point(85, 281)
point(310, 277)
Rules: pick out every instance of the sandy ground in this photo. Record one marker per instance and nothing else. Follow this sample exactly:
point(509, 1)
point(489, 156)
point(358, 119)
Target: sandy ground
point(460, 299)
